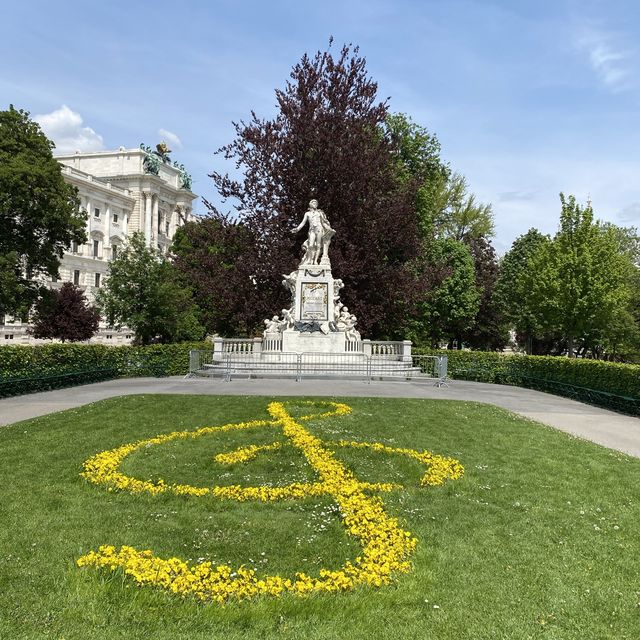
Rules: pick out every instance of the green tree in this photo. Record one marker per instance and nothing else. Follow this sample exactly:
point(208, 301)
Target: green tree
point(39, 211)
point(459, 215)
point(512, 293)
point(451, 305)
point(143, 292)
point(579, 282)
point(489, 331)
point(417, 156)
point(65, 314)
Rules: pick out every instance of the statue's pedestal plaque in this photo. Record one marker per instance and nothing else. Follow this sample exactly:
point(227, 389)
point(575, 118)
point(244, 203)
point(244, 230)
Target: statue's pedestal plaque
point(313, 296)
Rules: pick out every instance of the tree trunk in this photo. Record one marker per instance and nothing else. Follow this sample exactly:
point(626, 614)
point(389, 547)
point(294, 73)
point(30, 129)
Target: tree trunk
point(570, 353)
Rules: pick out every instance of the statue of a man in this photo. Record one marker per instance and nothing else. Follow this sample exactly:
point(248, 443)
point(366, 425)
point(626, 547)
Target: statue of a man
point(316, 246)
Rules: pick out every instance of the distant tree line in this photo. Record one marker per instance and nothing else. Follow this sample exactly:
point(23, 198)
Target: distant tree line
point(413, 243)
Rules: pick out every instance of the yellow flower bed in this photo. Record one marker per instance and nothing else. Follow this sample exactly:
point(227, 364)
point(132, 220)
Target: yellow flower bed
point(385, 545)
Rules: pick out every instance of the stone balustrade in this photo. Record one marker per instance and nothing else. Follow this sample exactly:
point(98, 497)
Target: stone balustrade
point(272, 343)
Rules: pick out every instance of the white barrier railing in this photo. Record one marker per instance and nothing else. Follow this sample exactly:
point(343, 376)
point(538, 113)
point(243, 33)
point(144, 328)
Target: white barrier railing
point(380, 348)
point(238, 345)
point(272, 343)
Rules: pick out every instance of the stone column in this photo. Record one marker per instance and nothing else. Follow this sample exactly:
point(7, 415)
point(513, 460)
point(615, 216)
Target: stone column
point(154, 223)
point(217, 348)
point(257, 348)
point(147, 218)
point(107, 229)
point(406, 350)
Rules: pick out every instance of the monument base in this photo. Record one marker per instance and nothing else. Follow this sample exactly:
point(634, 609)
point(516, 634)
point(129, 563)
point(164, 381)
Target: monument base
point(305, 342)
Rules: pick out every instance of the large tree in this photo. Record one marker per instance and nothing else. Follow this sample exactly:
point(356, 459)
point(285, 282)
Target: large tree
point(143, 292)
point(448, 310)
point(579, 282)
point(417, 155)
point(512, 295)
point(39, 211)
point(489, 331)
point(327, 141)
point(211, 255)
point(65, 314)
point(458, 214)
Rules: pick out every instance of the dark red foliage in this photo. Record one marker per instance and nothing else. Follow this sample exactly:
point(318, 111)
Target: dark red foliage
point(326, 143)
point(65, 314)
point(215, 259)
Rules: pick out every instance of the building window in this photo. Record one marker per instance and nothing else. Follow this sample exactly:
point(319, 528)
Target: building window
point(114, 251)
point(166, 228)
point(109, 336)
point(97, 281)
point(96, 248)
point(115, 218)
point(74, 246)
point(8, 336)
point(54, 279)
point(128, 336)
point(76, 277)
point(96, 213)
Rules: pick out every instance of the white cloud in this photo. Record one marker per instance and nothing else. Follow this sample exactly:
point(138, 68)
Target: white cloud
point(64, 127)
point(171, 138)
point(611, 63)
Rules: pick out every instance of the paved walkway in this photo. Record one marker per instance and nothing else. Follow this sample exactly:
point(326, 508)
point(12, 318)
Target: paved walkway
point(598, 425)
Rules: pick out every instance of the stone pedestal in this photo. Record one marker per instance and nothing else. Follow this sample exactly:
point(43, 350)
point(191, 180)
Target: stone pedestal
point(304, 342)
point(314, 294)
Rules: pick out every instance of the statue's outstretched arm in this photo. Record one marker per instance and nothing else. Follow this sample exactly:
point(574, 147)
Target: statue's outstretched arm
point(299, 227)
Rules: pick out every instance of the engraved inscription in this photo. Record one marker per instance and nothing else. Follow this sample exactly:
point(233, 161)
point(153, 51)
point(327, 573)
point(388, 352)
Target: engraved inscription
point(314, 301)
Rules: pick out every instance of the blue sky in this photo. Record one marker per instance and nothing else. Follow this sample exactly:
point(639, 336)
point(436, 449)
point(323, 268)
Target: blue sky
point(527, 98)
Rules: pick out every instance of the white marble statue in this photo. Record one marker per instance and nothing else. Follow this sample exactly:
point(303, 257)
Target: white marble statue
point(316, 246)
point(289, 282)
point(350, 331)
point(343, 319)
point(273, 325)
point(287, 319)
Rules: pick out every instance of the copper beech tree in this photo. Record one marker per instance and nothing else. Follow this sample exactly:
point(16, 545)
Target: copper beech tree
point(65, 314)
point(327, 141)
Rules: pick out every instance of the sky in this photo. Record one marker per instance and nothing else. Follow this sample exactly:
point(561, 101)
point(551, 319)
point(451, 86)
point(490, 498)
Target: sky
point(528, 98)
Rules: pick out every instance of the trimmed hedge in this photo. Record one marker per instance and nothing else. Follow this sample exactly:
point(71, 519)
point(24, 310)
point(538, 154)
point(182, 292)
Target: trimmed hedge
point(608, 384)
point(25, 369)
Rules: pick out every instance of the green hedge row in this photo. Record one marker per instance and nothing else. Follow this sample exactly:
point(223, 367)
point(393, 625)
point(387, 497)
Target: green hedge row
point(24, 369)
point(552, 373)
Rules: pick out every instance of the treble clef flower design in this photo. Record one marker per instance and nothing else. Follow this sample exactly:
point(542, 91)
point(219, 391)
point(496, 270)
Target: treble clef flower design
point(386, 547)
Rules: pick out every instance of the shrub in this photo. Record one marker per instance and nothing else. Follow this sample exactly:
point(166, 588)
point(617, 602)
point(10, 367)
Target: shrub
point(608, 384)
point(25, 369)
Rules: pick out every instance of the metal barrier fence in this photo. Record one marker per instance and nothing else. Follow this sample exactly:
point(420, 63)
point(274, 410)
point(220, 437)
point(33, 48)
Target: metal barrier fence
point(319, 365)
point(49, 381)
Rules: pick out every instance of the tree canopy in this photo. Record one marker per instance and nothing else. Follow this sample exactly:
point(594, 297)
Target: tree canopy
point(326, 142)
point(65, 314)
point(573, 291)
point(142, 292)
point(39, 211)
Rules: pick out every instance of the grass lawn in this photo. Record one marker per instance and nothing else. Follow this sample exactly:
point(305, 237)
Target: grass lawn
point(539, 539)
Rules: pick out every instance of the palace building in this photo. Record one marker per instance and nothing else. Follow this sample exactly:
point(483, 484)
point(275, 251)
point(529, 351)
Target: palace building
point(122, 191)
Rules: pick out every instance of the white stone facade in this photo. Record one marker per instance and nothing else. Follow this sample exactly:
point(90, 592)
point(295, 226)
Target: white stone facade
point(120, 198)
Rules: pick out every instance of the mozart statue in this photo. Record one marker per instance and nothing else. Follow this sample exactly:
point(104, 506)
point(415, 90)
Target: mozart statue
point(316, 246)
